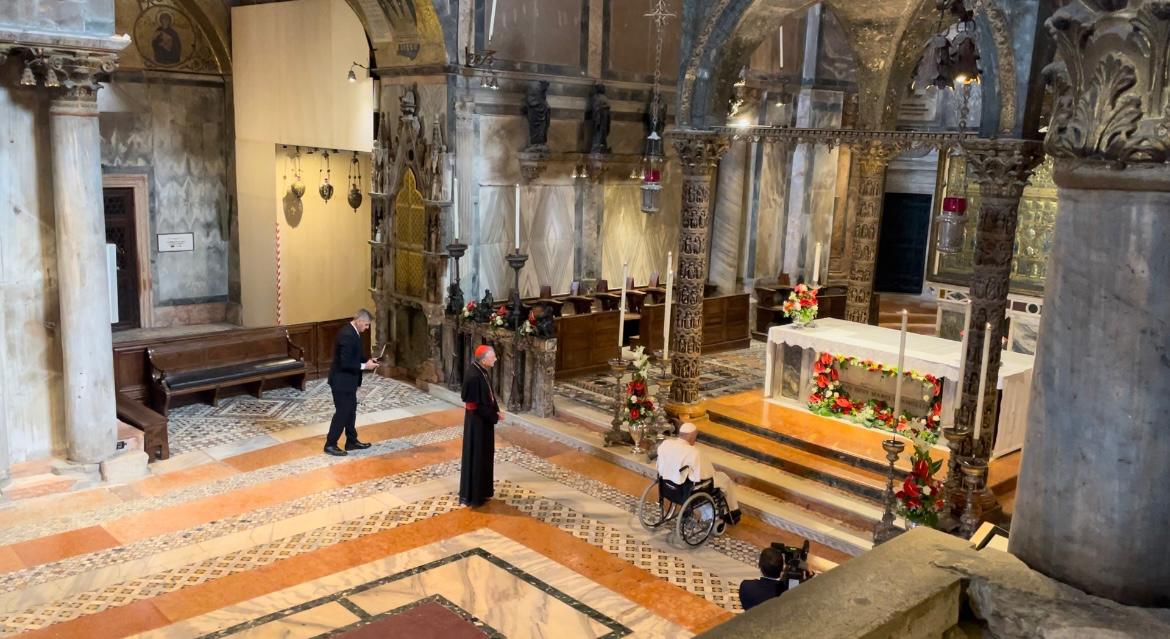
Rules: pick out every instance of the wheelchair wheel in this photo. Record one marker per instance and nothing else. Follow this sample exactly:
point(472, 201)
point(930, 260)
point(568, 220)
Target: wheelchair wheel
point(697, 519)
point(720, 527)
point(650, 511)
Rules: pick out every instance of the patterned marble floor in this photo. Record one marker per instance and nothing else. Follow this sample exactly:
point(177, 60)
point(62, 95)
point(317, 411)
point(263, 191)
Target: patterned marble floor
point(284, 541)
point(720, 374)
point(202, 426)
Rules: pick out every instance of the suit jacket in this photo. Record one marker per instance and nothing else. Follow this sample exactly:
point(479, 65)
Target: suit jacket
point(345, 374)
point(753, 592)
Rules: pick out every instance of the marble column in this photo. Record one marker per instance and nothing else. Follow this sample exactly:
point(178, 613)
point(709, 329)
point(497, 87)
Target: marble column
point(90, 417)
point(1092, 505)
point(872, 159)
point(699, 153)
point(1001, 168)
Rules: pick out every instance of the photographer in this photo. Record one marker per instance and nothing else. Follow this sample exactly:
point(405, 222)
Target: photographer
point(753, 592)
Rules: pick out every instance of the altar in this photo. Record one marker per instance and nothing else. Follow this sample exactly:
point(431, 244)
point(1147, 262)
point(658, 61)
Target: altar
point(791, 354)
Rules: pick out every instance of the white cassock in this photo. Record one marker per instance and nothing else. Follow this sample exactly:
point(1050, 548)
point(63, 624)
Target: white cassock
point(675, 454)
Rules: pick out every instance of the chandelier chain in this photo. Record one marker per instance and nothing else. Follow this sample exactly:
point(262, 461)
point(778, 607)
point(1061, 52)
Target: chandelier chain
point(659, 16)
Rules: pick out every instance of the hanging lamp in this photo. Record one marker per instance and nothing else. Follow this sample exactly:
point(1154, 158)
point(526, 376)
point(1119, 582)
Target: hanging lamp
point(653, 157)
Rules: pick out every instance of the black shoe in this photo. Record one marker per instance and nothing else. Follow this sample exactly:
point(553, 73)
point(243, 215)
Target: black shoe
point(332, 449)
point(734, 516)
point(356, 445)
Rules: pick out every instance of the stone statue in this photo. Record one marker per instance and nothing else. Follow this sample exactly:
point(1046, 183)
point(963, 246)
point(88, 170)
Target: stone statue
point(546, 324)
point(598, 115)
point(486, 307)
point(539, 115)
point(650, 125)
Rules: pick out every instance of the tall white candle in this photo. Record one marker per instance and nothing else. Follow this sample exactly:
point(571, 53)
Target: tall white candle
point(666, 317)
point(962, 363)
point(492, 22)
point(901, 364)
point(982, 380)
point(817, 266)
point(455, 204)
point(666, 320)
point(622, 308)
point(517, 223)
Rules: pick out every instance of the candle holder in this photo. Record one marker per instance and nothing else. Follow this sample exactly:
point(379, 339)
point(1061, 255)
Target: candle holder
point(516, 261)
point(616, 436)
point(664, 379)
point(956, 438)
point(974, 474)
point(885, 530)
point(456, 250)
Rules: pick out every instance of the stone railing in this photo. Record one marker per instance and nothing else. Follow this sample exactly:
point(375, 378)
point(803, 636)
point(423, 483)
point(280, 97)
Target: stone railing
point(525, 370)
point(928, 584)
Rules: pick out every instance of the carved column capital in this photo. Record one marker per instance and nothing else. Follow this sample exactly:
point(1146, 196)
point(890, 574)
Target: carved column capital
point(74, 73)
point(1002, 168)
point(874, 155)
point(698, 151)
point(1110, 100)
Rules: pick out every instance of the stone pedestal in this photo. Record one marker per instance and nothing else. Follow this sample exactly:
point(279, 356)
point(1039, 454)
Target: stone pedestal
point(699, 154)
point(873, 158)
point(90, 417)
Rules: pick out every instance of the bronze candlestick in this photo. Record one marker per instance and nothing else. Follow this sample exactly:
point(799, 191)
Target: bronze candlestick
point(952, 487)
point(974, 473)
point(616, 436)
point(664, 378)
point(885, 530)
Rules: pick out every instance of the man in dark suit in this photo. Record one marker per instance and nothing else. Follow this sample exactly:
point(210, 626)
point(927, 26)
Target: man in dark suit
point(753, 592)
point(345, 376)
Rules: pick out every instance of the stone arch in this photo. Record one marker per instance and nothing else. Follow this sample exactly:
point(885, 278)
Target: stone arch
point(409, 32)
point(714, 41)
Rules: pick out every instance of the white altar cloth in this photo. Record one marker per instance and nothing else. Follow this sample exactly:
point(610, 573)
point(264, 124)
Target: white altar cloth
point(924, 353)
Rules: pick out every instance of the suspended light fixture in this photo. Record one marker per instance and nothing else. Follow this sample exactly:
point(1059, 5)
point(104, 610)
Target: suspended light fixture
point(352, 75)
point(27, 79)
point(965, 55)
point(935, 70)
point(653, 157)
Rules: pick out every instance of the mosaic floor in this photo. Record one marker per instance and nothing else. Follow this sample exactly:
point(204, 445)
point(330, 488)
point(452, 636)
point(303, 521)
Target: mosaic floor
point(202, 426)
point(721, 374)
point(283, 541)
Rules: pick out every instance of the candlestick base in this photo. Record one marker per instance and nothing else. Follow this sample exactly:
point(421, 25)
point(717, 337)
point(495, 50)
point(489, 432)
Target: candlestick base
point(616, 436)
point(516, 316)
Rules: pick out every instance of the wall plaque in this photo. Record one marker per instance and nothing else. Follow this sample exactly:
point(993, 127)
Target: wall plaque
point(176, 242)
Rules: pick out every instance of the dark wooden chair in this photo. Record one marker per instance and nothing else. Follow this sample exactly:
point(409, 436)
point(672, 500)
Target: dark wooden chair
point(546, 300)
point(208, 365)
point(655, 290)
point(710, 290)
point(582, 304)
point(609, 301)
point(152, 424)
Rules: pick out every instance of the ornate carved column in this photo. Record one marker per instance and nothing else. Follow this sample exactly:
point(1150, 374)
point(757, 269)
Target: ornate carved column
point(699, 153)
point(873, 157)
point(1092, 505)
point(90, 418)
point(1002, 169)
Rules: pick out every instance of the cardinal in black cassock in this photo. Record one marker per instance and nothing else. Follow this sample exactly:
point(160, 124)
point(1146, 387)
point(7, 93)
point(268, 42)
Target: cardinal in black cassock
point(479, 430)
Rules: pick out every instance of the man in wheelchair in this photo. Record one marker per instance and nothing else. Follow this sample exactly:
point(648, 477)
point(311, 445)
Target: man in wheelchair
point(680, 460)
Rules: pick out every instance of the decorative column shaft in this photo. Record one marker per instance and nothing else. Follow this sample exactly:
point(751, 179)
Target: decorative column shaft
point(90, 418)
point(873, 158)
point(1092, 506)
point(1001, 168)
point(699, 154)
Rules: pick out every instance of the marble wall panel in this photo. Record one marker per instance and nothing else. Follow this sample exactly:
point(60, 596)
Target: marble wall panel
point(178, 134)
point(1025, 333)
point(31, 410)
point(86, 17)
point(548, 236)
point(629, 235)
point(732, 199)
point(813, 186)
point(913, 173)
point(772, 214)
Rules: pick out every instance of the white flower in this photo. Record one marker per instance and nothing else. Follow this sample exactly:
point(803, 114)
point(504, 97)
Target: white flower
point(926, 490)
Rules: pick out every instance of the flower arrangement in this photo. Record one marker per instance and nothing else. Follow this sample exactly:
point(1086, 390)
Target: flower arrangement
point(469, 310)
point(500, 318)
point(638, 413)
point(921, 498)
point(830, 399)
point(801, 305)
point(528, 326)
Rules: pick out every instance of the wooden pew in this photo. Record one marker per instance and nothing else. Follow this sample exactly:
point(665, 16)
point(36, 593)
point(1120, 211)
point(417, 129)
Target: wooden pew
point(586, 343)
point(152, 424)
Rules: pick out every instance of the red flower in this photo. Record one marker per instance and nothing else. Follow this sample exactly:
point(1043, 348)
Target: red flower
point(649, 405)
point(910, 487)
point(634, 413)
point(833, 374)
point(826, 359)
point(939, 504)
point(821, 381)
point(914, 503)
point(815, 398)
point(843, 402)
point(818, 367)
point(922, 468)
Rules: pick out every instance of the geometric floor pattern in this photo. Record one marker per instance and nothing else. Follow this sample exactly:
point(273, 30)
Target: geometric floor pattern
point(284, 541)
point(720, 374)
point(202, 426)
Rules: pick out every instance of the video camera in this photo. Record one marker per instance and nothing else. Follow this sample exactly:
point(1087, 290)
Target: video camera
point(796, 569)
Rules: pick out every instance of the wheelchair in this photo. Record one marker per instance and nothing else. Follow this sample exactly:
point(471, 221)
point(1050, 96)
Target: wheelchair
point(696, 509)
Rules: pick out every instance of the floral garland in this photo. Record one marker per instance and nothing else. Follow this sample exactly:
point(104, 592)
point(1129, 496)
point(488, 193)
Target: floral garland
point(829, 399)
point(638, 412)
point(921, 498)
point(801, 305)
point(500, 318)
point(469, 310)
point(528, 326)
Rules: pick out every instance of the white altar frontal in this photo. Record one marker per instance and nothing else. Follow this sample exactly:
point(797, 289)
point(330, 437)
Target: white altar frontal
point(792, 351)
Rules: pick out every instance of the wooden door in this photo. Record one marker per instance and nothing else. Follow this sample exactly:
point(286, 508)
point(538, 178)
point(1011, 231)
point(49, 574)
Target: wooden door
point(121, 232)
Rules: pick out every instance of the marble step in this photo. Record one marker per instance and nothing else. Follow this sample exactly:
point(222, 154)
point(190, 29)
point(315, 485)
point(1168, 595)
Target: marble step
point(40, 485)
point(860, 482)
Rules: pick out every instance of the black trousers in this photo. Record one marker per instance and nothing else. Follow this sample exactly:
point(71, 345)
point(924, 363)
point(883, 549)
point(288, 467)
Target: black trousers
point(344, 416)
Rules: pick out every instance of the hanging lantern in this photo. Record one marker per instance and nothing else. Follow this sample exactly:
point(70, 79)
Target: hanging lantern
point(952, 225)
point(652, 177)
point(355, 180)
point(934, 70)
point(965, 57)
point(298, 185)
point(326, 189)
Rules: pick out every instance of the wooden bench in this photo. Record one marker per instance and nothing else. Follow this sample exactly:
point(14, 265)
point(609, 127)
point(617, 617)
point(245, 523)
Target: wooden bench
point(218, 361)
point(152, 424)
